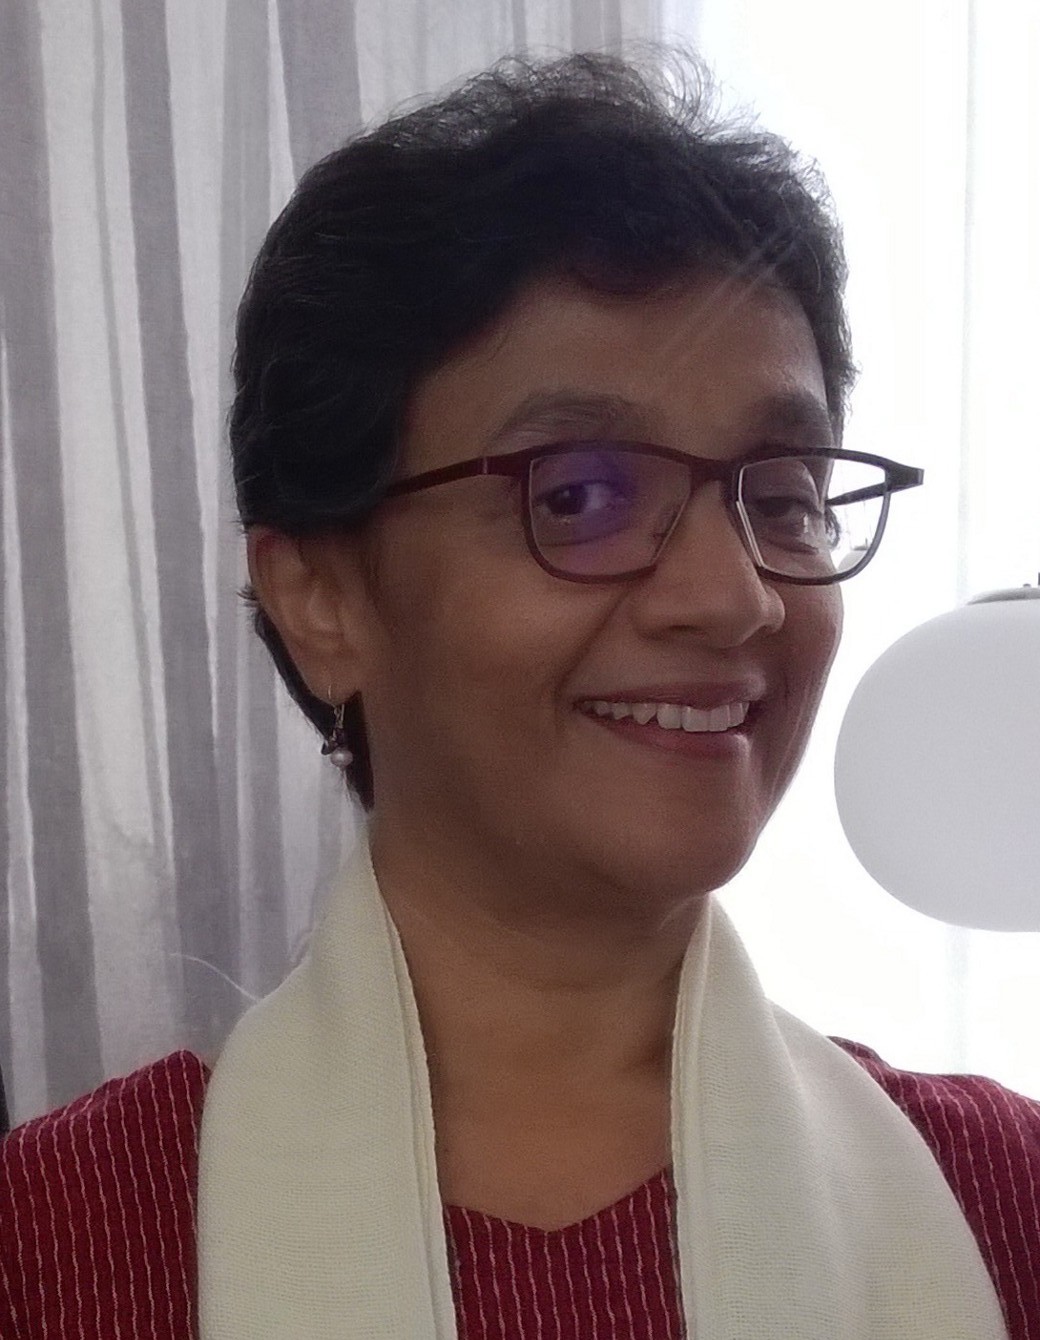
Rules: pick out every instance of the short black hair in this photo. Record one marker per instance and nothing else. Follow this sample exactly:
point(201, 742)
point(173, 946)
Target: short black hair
point(412, 238)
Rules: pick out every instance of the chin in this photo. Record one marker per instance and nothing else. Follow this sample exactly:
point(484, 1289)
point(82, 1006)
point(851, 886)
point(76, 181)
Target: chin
point(669, 871)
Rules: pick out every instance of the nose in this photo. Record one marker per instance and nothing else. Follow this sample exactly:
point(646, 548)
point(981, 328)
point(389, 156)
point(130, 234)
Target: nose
point(705, 582)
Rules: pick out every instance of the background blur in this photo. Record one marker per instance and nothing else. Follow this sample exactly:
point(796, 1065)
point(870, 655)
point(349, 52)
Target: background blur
point(169, 825)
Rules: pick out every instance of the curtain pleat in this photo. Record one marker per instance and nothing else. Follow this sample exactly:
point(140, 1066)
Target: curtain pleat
point(319, 52)
point(244, 215)
point(518, 16)
point(206, 915)
point(64, 942)
point(136, 554)
point(595, 26)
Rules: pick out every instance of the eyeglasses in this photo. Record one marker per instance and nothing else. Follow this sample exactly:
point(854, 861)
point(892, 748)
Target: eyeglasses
point(598, 511)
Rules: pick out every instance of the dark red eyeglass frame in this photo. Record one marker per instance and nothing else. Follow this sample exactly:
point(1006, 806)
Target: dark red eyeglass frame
point(703, 470)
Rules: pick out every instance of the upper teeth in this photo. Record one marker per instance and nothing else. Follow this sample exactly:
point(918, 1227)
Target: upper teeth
point(673, 716)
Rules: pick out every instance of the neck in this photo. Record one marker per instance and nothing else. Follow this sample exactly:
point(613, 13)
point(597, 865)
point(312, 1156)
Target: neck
point(520, 982)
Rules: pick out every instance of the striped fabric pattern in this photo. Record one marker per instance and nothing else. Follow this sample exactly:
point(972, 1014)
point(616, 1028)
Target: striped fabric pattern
point(987, 1141)
point(613, 1275)
point(97, 1212)
point(97, 1220)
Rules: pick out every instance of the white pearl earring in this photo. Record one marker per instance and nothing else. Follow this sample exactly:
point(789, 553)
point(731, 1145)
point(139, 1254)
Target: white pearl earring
point(335, 746)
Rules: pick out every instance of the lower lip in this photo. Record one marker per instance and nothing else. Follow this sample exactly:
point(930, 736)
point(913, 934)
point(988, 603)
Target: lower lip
point(732, 743)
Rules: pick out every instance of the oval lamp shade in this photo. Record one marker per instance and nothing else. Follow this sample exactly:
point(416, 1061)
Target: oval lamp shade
point(937, 767)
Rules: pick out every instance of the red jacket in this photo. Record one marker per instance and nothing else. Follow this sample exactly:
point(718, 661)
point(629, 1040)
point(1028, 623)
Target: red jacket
point(97, 1200)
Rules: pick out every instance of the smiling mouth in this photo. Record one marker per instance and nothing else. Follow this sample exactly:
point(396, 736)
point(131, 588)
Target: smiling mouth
point(671, 716)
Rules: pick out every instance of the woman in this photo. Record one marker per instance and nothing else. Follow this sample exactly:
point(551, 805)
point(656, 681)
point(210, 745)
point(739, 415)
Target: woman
point(537, 445)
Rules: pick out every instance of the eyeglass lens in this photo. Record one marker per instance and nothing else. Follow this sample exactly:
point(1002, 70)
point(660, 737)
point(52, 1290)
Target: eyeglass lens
point(602, 512)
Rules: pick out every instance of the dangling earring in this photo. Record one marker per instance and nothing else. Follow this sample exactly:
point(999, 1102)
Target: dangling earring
point(335, 745)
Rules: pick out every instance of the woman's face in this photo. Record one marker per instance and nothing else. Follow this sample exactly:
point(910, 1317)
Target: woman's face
point(479, 666)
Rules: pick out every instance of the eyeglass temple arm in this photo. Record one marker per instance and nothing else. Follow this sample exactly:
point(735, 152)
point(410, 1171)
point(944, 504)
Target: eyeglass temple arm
point(907, 478)
point(446, 475)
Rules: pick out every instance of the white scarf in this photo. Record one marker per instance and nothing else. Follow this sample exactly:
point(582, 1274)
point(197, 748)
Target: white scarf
point(808, 1207)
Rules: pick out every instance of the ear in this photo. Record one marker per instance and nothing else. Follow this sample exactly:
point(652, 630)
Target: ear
point(313, 590)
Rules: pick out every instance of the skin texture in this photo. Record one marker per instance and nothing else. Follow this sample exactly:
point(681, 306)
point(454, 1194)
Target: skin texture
point(545, 874)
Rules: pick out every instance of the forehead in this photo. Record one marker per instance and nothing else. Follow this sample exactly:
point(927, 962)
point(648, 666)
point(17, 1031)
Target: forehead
point(709, 366)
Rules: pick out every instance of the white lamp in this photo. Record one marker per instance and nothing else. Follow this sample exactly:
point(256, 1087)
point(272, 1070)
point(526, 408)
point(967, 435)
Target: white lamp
point(937, 768)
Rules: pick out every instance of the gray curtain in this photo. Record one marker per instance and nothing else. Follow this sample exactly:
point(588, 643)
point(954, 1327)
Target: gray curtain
point(169, 825)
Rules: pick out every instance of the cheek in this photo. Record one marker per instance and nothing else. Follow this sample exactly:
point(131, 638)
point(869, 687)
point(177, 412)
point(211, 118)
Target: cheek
point(813, 628)
point(481, 649)
point(831, 619)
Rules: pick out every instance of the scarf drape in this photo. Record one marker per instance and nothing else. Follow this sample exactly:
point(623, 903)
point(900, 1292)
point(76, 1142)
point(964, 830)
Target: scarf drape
point(808, 1206)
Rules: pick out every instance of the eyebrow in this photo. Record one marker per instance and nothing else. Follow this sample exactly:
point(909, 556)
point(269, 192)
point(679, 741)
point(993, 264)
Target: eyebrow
point(553, 411)
point(549, 411)
point(792, 411)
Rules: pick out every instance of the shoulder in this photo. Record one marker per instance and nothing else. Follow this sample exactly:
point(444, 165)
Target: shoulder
point(149, 1116)
point(99, 1196)
point(986, 1139)
point(954, 1111)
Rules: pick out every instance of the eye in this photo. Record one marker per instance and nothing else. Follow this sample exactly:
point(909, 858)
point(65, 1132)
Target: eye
point(577, 503)
point(784, 501)
point(778, 505)
point(581, 499)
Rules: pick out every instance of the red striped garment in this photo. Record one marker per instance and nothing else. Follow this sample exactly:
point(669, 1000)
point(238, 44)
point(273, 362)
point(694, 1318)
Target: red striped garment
point(614, 1276)
point(97, 1220)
